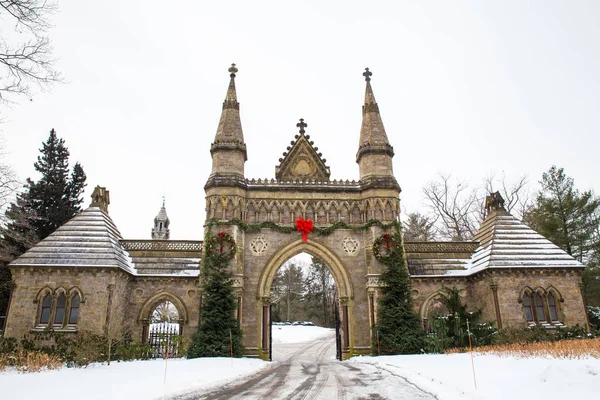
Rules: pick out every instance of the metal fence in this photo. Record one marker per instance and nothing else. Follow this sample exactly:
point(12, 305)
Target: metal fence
point(164, 340)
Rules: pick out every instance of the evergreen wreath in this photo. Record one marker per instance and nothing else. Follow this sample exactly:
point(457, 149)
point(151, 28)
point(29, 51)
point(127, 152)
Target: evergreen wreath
point(383, 247)
point(222, 245)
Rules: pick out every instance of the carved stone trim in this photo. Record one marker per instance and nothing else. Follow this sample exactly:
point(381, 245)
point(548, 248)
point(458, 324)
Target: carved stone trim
point(350, 246)
point(259, 246)
point(238, 281)
point(374, 281)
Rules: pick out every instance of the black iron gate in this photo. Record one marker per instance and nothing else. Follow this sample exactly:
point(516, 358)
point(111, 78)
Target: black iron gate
point(164, 340)
point(338, 336)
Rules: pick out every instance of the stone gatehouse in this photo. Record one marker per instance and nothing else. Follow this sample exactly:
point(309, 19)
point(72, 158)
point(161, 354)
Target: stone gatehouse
point(86, 277)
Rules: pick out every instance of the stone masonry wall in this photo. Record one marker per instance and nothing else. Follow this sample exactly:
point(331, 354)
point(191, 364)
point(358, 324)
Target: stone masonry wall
point(25, 305)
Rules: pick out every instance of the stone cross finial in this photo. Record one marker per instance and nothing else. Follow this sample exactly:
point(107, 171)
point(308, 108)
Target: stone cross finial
point(302, 125)
point(367, 74)
point(232, 70)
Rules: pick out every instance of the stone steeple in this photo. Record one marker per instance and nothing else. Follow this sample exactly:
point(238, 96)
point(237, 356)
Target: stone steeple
point(229, 150)
point(161, 225)
point(374, 156)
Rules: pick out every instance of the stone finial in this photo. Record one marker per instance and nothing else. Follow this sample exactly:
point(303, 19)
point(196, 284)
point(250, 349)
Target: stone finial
point(232, 70)
point(494, 202)
point(367, 74)
point(100, 198)
point(302, 125)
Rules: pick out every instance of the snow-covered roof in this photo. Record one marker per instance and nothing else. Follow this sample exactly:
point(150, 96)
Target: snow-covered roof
point(506, 242)
point(164, 257)
point(90, 239)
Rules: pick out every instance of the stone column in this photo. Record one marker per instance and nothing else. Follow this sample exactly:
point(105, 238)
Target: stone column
point(145, 330)
point(345, 325)
point(111, 290)
point(496, 304)
point(266, 320)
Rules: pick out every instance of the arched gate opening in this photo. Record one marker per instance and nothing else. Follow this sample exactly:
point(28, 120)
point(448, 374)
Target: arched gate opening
point(344, 295)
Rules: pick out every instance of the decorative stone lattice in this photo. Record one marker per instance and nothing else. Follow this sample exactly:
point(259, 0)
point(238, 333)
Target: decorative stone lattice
point(350, 246)
point(259, 246)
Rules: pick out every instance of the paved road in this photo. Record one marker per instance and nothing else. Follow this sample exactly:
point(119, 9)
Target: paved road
point(310, 371)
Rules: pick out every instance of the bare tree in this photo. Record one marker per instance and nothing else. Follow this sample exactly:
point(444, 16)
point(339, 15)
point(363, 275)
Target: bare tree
point(516, 195)
point(165, 312)
point(454, 206)
point(26, 56)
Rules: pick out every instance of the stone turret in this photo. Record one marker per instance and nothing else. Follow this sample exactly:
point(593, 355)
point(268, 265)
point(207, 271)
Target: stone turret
point(374, 156)
point(228, 151)
point(161, 225)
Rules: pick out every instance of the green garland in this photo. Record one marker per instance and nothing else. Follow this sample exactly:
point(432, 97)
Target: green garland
point(323, 231)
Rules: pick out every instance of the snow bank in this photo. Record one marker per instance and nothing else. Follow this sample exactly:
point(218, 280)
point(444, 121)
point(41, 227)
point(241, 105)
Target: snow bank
point(450, 377)
point(298, 333)
point(128, 380)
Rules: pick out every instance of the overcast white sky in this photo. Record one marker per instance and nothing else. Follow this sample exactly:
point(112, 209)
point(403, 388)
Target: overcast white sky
point(468, 88)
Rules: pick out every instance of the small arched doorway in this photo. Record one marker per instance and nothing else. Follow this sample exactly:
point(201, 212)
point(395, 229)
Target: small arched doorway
point(163, 318)
point(344, 295)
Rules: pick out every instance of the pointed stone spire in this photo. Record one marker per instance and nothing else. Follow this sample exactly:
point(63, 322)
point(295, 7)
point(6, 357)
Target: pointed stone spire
point(229, 150)
point(374, 156)
point(161, 224)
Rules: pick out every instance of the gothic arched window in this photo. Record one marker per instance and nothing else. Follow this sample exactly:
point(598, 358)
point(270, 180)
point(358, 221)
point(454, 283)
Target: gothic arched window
point(74, 309)
point(46, 309)
point(61, 303)
point(527, 307)
point(539, 308)
point(552, 307)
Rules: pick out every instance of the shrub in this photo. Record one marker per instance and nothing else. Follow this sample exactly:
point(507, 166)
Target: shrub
point(30, 361)
point(594, 317)
point(452, 329)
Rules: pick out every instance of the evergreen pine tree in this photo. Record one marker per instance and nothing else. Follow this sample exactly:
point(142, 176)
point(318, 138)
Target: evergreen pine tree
point(218, 328)
point(564, 215)
point(398, 329)
point(56, 196)
point(41, 207)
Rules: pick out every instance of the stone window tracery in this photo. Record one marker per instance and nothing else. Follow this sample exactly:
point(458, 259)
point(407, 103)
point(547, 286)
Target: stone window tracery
point(541, 306)
point(59, 309)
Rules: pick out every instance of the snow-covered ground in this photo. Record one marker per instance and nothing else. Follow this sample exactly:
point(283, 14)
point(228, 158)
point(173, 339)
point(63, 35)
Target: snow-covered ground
point(445, 376)
point(450, 377)
point(298, 333)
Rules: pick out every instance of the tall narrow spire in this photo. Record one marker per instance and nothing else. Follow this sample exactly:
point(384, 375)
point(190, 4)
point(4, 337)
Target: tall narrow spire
point(229, 150)
point(161, 229)
point(374, 156)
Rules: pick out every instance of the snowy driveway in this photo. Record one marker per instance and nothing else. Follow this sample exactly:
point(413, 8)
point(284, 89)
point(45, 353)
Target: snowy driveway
point(309, 370)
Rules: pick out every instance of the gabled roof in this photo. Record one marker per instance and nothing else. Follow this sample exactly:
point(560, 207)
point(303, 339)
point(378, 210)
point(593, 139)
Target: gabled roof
point(506, 242)
point(90, 239)
point(302, 160)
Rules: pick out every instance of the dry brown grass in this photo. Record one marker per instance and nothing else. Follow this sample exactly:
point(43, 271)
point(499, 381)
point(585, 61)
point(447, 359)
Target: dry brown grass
point(30, 361)
point(575, 348)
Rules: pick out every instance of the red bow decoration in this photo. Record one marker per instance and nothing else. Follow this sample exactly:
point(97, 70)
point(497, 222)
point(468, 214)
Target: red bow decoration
point(305, 226)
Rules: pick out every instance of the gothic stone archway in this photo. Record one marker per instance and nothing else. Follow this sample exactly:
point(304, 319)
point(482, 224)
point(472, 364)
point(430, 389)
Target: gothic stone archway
point(255, 211)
